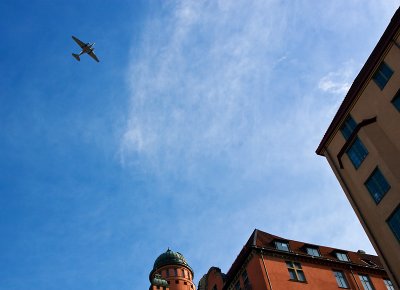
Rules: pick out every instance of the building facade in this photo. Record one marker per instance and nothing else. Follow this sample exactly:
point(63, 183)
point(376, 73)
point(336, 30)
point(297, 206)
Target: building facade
point(362, 146)
point(171, 272)
point(269, 262)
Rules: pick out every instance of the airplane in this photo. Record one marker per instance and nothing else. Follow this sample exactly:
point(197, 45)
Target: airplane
point(86, 48)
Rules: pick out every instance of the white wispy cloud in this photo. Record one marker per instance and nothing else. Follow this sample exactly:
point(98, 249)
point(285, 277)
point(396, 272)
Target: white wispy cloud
point(233, 99)
point(338, 82)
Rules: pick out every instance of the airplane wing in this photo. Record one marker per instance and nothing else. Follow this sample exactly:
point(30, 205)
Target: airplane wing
point(93, 56)
point(80, 43)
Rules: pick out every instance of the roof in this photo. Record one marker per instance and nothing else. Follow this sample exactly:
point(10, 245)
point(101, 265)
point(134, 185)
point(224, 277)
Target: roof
point(368, 69)
point(169, 258)
point(266, 242)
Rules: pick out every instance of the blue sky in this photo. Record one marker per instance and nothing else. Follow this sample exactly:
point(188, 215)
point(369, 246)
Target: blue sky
point(198, 125)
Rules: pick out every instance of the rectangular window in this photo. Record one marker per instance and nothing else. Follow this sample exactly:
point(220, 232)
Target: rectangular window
point(282, 246)
point(237, 285)
point(377, 185)
point(382, 75)
point(313, 252)
point(342, 256)
point(295, 271)
point(396, 101)
point(245, 278)
point(340, 279)
point(388, 284)
point(357, 153)
point(394, 222)
point(366, 282)
point(348, 127)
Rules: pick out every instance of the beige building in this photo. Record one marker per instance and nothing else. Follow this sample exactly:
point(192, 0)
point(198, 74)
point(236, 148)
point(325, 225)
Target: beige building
point(362, 145)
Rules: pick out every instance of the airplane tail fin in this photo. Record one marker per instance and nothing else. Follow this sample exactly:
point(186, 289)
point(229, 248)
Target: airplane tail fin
point(76, 56)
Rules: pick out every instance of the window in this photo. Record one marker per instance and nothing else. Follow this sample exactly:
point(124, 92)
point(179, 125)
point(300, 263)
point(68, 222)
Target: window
point(176, 272)
point(366, 282)
point(348, 127)
point(394, 223)
point(167, 272)
point(245, 279)
point(215, 287)
point(282, 246)
point(382, 75)
point(340, 279)
point(295, 271)
point(357, 152)
point(342, 256)
point(389, 284)
point(313, 252)
point(237, 285)
point(377, 185)
point(396, 101)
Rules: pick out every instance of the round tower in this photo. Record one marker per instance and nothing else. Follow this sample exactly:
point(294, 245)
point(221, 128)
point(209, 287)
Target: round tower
point(171, 272)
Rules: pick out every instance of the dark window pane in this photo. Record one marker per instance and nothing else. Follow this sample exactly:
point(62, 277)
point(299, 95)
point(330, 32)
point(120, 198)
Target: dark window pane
point(357, 152)
point(389, 284)
point(301, 276)
point(340, 279)
point(342, 257)
point(292, 274)
point(394, 223)
point(396, 101)
point(282, 246)
point(382, 75)
point(348, 127)
point(313, 252)
point(377, 185)
point(366, 282)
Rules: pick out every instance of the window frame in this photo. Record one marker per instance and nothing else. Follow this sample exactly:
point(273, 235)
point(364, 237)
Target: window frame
point(388, 283)
point(245, 278)
point(237, 285)
point(341, 280)
point(348, 127)
point(374, 182)
point(357, 152)
point(367, 283)
point(396, 215)
point(339, 254)
point(396, 101)
point(295, 268)
point(282, 248)
point(382, 75)
point(313, 249)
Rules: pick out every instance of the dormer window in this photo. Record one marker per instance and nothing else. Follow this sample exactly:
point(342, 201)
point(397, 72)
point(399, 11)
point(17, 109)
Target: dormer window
point(313, 251)
point(342, 256)
point(282, 246)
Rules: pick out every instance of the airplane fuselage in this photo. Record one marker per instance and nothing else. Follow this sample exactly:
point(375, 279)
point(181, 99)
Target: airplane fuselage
point(87, 48)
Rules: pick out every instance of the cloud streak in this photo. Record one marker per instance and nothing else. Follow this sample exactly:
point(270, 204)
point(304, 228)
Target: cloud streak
point(232, 100)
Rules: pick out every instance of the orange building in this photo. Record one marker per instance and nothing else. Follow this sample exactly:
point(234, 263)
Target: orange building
point(362, 146)
point(269, 262)
point(171, 272)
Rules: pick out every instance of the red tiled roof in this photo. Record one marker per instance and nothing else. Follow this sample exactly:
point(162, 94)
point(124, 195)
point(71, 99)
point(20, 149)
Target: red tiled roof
point(265, 241)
